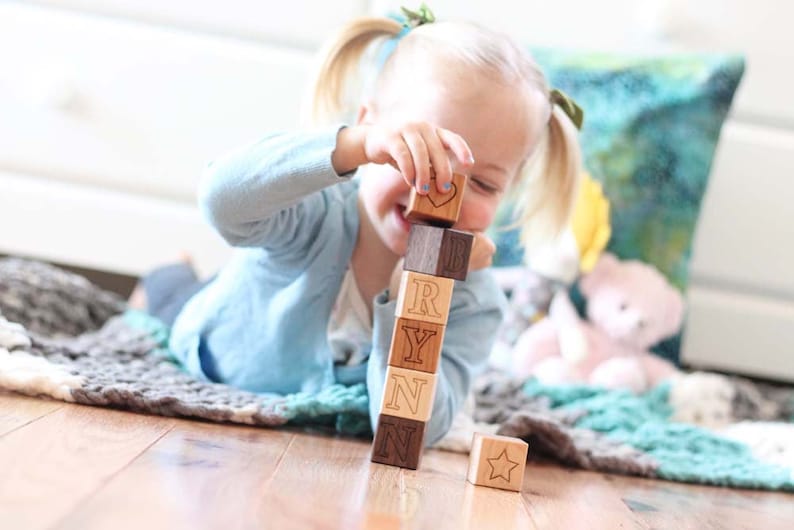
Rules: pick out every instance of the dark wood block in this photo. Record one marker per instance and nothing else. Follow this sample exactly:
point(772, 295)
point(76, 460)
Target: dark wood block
point(416, 345)
point(440, 209)
point(398, 441)
point(438, 251)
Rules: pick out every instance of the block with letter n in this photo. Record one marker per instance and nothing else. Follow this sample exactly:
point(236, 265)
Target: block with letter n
point(398, 441)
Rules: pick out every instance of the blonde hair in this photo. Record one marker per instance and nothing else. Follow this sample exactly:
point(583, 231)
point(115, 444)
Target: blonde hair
point(547, 184)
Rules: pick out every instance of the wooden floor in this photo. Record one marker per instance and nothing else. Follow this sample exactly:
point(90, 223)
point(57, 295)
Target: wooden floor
point(72, 466)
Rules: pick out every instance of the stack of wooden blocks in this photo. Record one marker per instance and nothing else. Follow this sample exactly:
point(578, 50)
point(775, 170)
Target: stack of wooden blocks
point(436, 256)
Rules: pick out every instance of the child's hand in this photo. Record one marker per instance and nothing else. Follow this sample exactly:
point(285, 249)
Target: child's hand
point(482, 252)
point(411, 149)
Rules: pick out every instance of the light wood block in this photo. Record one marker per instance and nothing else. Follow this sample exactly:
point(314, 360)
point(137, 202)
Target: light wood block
point(416, 345)
point(408, 393)
point(497, 461)
point(424, 297)
point(438, 251)
point(398, 441)
point(440, 209)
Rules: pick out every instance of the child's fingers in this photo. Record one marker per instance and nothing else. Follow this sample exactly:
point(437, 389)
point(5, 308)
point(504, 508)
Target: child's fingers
point(440, 160)
point(456, 144)
point(482, 252)
point(403, 159)
point(421, 159)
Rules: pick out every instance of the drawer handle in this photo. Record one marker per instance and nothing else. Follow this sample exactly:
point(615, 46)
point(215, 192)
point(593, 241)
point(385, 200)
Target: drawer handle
point(62, 96)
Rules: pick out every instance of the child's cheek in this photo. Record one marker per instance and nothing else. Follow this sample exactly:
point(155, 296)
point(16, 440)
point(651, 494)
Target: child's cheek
point(477, 213)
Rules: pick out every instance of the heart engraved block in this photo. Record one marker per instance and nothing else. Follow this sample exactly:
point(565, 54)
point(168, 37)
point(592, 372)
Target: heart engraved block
point(436, 208)
point(436, 198)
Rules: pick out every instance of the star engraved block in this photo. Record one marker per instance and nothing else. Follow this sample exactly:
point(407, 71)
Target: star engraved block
point(497, 461)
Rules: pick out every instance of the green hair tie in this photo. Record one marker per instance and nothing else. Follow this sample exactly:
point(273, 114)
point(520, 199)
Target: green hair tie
point(416, 18)
point(568, 106)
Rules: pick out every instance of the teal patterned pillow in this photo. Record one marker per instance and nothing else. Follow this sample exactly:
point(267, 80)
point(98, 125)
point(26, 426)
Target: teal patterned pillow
point(650, 130)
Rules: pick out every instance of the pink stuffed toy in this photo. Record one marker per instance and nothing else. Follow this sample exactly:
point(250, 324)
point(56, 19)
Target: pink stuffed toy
point(631, 306)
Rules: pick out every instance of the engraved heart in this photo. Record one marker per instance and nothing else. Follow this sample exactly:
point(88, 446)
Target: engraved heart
point(438, 199)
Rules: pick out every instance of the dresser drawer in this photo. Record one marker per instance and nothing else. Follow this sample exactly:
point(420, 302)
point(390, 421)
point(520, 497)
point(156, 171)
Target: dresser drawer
point(132, 107)
point(102, 229)
point(304, 23)
point(739, 332)
point(746, 227)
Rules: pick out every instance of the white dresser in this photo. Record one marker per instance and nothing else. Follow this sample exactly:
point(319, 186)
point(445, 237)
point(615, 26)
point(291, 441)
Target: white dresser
point(110, 108)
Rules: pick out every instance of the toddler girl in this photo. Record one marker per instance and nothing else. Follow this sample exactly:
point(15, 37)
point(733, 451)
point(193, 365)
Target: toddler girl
point(308, 299)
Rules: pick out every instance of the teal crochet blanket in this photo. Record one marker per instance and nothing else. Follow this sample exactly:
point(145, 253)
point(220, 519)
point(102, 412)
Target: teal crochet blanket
point(63, 337)
point(679, 451)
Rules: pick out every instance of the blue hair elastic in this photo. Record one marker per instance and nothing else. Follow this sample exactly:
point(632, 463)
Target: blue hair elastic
point(409, 19)
point(389, 46)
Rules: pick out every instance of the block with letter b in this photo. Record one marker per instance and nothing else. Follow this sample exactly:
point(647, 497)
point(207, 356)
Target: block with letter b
point(441, 209)
point(438, 251)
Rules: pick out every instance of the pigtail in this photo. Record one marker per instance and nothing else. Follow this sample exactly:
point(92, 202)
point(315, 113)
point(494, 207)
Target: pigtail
point(340, 64)
point(551, 182)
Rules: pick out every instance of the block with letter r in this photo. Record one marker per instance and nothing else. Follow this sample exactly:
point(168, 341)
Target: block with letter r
point(424, 297)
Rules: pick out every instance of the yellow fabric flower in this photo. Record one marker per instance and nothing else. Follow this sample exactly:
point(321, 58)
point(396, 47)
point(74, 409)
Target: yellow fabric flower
point(590, 222)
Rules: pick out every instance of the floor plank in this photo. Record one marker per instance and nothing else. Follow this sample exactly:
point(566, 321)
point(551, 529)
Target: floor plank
point(664, 504)
point(441, 493)
point(199, 475)
point(345, 490)
point(17, 411)
point(85, 467)
point(51, 464)
point(323, 482)
point(566, 498)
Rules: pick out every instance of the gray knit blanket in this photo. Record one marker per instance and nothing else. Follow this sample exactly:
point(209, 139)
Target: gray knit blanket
point(64, 338)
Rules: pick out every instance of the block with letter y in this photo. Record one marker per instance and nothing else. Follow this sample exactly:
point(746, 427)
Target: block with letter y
point(416, 345)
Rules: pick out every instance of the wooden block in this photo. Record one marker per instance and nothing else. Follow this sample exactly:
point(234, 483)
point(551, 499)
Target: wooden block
point(416, 345)
point(398, 441)
point(497, 461)
point(438, 251)
point(408, 393)
point(424, 297)
point(440, 209)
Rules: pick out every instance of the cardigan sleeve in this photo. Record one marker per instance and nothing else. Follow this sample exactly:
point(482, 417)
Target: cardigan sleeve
point(265, 194)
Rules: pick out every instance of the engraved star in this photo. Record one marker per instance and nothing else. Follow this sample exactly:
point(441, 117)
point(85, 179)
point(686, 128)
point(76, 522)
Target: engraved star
point(501, 466)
